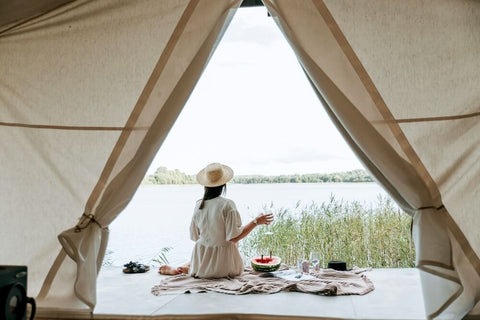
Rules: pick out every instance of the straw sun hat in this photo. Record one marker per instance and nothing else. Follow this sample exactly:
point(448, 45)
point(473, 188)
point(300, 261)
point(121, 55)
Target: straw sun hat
point(214, 175)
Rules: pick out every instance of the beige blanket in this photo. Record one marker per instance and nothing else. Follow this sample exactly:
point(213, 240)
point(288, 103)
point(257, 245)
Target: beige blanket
point(324, 282)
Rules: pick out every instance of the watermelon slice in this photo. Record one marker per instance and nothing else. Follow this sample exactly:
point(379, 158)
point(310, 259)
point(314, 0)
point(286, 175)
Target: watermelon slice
point(266, 264)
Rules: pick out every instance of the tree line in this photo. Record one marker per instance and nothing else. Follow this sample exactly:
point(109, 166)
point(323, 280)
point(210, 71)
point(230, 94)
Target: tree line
point(164, 176)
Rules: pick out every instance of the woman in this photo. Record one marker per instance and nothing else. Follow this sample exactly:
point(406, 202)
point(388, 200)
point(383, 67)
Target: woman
point(216, 228)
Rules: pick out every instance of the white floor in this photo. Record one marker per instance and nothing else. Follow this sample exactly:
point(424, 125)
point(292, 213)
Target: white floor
point(397, 295)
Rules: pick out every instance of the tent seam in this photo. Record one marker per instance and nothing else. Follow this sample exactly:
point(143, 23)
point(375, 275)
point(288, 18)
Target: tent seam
point(428, 119)
point(80, 128)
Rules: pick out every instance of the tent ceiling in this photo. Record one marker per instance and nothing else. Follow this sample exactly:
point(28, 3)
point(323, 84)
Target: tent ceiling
point(252, 3)
point(14, 11)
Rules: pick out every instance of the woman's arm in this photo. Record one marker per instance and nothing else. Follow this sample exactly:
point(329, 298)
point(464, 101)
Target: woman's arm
point(261, 219)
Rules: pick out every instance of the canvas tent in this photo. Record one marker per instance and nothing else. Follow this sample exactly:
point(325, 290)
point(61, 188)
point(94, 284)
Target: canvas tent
point(89, 90)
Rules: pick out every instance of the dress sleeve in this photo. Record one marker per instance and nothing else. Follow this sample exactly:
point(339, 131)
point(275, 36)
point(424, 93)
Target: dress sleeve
point(233, 222)
point(194, 232)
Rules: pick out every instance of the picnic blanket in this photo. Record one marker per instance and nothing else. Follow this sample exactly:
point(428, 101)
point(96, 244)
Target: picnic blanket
point(323, 282)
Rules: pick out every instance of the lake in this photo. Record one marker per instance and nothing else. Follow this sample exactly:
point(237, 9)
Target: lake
point(159, 215)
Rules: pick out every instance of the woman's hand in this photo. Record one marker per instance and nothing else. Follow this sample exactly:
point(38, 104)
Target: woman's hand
point(266, 218)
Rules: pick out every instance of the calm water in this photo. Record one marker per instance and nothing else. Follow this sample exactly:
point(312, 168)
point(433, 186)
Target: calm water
point(159, 216)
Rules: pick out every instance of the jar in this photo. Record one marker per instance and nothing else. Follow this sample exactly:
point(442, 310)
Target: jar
point(305, 266)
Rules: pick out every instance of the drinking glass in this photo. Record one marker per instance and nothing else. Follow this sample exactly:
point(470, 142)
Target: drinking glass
point(315, 260)
point(268, 229)
point(268, 233)
point(299, 269)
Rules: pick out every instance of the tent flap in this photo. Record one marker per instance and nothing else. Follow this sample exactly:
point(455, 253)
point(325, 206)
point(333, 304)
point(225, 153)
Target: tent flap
point(90, 91)
point(400, 86)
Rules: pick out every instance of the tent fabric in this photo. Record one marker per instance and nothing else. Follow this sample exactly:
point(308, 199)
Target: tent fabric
point(391, 86)
point(90, 89)
point(14, 13)
point(93, 89)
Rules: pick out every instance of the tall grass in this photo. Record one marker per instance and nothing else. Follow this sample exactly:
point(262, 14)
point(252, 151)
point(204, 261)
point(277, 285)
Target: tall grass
point(376, 236)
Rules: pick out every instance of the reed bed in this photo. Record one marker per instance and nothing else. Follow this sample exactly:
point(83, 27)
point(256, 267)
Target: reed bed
point(376, 236)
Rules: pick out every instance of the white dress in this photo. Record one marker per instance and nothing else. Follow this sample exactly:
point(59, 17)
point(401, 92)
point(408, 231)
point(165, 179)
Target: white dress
point(214, 256)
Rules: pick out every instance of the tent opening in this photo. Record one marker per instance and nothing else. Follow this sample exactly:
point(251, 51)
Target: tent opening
point(254, 109)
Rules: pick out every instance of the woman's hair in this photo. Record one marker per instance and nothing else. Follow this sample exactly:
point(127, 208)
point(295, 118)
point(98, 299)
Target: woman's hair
point(212, 192)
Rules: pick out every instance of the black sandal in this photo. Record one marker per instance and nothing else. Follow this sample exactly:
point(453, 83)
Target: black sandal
point(135, 267)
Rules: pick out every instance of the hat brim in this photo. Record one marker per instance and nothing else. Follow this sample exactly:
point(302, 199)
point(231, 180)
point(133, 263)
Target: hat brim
point(227, 175)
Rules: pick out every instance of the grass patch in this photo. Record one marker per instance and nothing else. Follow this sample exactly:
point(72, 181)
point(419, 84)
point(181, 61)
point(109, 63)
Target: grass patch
point(376, 236)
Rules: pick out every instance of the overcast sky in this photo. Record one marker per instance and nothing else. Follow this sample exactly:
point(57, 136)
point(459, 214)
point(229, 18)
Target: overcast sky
point(254, 110)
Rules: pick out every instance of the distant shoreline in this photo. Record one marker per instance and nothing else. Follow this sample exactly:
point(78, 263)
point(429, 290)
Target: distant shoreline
point(163, 176)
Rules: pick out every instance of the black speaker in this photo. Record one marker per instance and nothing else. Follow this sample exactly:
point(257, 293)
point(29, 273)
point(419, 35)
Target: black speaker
point(13, 293)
